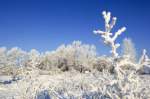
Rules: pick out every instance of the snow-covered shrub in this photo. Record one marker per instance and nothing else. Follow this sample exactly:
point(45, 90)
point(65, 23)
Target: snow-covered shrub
point(12, 60)
point(76, 56)
point(16, 57)
point(33, 58)
point(48, 61)
point(144, 63)
point(3, 57)
point(144, 59)
point(128, 50)
point(103, 63)
point(123, 86)
point(125, 63)
point(3, 60)
point(109, 38)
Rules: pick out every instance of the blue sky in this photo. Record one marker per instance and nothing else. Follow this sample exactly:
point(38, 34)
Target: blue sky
point(46, 24)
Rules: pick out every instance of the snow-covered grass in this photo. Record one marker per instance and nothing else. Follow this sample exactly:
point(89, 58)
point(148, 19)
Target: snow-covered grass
point(74, 85)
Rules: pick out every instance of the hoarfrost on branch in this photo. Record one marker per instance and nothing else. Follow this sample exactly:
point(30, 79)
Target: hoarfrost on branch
point(109, 38)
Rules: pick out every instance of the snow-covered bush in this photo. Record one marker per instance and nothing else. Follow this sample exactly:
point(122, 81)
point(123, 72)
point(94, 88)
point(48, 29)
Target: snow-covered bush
point(124, 84)
point(144, 63)
point(79, 52)
point(104, 63)
point(76, 56)
point(33, 58)
point(3, 60)
point(12, 60)
point(109, 38)
point(48, 61)
point(144, 59)
point(125, 63)
point(16, 57)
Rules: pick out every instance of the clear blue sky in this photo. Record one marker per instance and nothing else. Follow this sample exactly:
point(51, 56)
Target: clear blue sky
point(46, 24)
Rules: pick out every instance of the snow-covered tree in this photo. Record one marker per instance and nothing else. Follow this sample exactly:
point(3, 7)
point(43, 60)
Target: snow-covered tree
point(3, 56)
point(3, 61)
point(109, 38)
point(16, 57)
point(144, 60)
point(128, 49)
point(74, 55)
point(11, 60)
point(33, 58)
point(48, 61)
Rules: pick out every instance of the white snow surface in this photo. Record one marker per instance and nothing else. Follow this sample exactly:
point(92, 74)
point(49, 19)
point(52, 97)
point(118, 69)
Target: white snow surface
point(59, 85)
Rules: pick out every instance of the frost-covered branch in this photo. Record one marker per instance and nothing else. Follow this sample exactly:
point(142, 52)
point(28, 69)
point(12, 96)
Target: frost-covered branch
point(109, 38)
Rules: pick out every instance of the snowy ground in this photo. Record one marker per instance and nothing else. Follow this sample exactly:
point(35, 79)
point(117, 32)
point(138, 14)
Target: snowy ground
point(68, 84)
